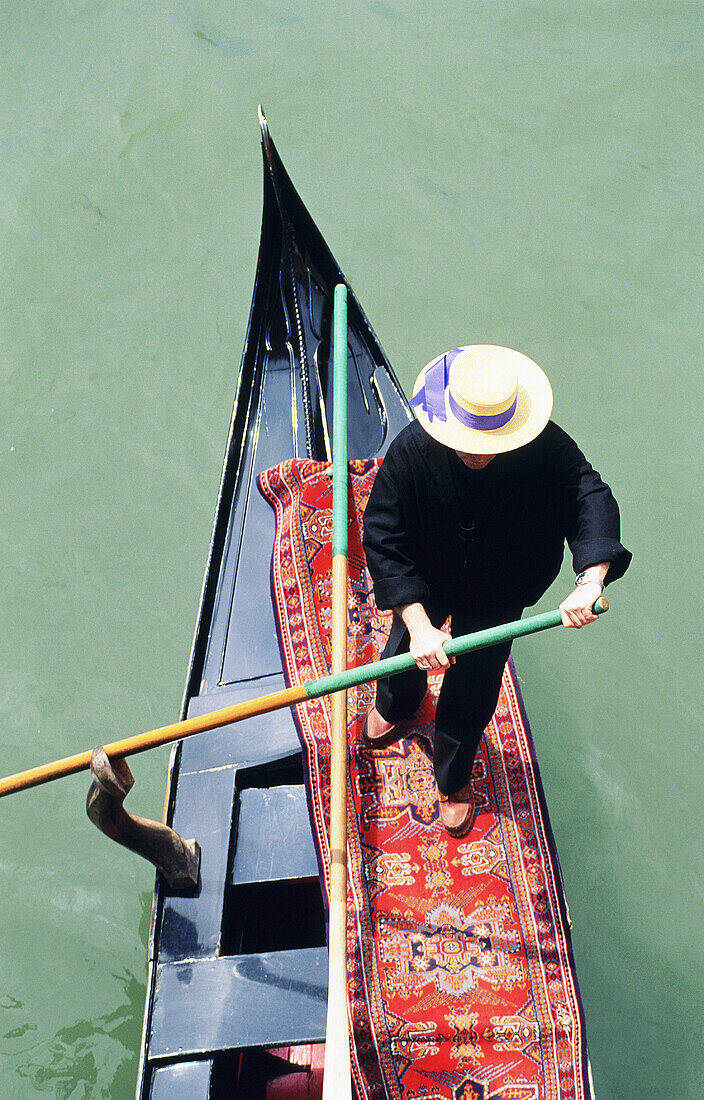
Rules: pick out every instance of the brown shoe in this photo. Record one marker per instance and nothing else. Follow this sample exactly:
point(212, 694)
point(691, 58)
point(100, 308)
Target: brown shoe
point(386, 737)
point(457, 811)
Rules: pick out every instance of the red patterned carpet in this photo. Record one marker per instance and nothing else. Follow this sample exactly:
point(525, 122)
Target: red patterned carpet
point(461, 978)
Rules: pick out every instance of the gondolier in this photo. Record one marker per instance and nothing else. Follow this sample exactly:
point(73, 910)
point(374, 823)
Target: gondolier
point(467, 519)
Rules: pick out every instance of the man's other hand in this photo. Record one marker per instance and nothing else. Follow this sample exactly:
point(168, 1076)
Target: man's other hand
point(427, 648)
point(576, 610)
point(426, 640)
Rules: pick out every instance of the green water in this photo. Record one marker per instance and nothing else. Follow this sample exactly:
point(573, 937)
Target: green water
point(523, 173)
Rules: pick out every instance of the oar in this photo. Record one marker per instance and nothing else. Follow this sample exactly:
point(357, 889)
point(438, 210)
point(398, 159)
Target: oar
point(277, 700)
point(337, 1081)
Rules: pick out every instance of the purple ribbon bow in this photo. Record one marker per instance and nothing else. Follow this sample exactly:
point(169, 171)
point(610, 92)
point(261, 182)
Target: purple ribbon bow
point(431, 395)
point(431, 398)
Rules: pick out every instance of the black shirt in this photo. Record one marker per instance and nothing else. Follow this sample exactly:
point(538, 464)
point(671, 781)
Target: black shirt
point(438, 532)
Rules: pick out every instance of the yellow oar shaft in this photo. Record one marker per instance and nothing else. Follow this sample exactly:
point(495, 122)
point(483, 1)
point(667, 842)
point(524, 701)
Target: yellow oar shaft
point(337, 1081)
point(337, 1077)
point(153, 738)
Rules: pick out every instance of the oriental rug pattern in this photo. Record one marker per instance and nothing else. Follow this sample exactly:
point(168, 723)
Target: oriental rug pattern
point(461, 978)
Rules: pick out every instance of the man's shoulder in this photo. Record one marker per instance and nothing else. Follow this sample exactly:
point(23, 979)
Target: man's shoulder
point(415, 452)
point(552, 438)
point(413, 444)
point(409, 438)
point(406, 449)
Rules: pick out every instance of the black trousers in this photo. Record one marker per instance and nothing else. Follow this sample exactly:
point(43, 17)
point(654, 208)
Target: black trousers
point(468, 696)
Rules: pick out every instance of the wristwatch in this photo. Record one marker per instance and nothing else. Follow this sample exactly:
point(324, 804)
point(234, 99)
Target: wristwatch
point(582, 578)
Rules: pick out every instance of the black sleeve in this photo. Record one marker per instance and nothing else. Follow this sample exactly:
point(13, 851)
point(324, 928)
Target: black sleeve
point(593, 528)
point(388, 538)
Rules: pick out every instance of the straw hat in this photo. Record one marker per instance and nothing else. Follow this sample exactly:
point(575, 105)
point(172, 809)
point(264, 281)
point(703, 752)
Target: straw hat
point(482, 399)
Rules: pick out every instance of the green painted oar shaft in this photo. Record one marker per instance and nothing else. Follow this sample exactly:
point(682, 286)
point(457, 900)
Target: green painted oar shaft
point(466, 643)
point(339, 430)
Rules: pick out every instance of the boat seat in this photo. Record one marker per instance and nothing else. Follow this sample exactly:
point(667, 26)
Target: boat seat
point(204, 806)
point(274, 837)
point(272, 999)
point(260, 738)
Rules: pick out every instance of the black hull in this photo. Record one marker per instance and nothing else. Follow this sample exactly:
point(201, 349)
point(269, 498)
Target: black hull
point(239, 966)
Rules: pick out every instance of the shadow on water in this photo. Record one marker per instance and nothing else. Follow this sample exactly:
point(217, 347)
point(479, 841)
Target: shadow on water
point(90, 1058)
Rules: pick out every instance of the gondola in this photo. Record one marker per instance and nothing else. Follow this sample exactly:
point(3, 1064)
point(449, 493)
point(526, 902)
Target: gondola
point(237, 968)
